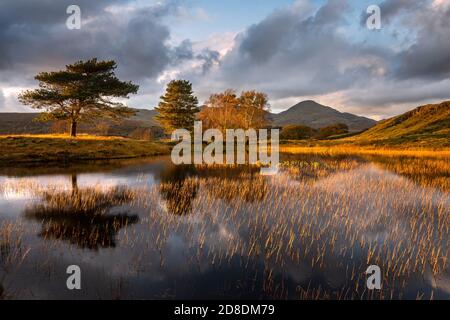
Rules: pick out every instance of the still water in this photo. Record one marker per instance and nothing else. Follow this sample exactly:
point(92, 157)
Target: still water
point(148, 229)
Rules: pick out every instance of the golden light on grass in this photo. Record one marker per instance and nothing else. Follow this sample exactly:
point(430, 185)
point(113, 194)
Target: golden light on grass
point(355, 150)
point(325, 217)
point(54, 147)
point(63, 136)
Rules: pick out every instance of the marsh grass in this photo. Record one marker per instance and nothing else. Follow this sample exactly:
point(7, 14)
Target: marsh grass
point(348, 149)
point(308, 233)
point(80, 202)
point(353, 214)
point(82, 216)
point(348, 219)
point(12, 251)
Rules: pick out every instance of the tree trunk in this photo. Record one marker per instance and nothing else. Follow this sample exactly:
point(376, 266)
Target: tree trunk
point(73, 129)
point(74, 184)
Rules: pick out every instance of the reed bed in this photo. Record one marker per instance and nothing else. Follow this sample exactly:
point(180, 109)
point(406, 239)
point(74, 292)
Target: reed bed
point(309, 232)
point(401, 229)
point(355, 150)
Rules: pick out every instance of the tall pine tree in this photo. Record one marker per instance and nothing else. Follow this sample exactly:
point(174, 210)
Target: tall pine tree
point(177, 107)
point(85, 91)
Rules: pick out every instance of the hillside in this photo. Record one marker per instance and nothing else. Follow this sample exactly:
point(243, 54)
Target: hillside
point(315, 115)
point(425, 126)
point(307, 113)
point(22, 123)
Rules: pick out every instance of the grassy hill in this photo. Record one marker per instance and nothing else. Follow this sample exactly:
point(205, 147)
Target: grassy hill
point(427, 126)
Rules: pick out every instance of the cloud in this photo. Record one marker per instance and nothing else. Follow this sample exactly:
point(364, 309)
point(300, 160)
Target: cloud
point(35, 38)
point(298, 51)
point(182, 52)
point(209, 58)
point(294, 54)
point(137, 41)
point(393, 9)
point(2, 100)
point(429, 56)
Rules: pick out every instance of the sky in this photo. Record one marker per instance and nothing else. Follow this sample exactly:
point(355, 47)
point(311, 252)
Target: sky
point(293, 50)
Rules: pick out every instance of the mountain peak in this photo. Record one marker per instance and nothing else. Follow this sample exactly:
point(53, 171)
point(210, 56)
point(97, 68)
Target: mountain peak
point(312, 114)
point(307, 103)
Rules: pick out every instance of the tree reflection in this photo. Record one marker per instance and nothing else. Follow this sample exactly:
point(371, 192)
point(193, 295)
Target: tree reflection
point(178, 188)
point(82, 216)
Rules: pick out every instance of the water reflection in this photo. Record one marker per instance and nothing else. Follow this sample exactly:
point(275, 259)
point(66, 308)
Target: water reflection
point(308, 232)
point(178, 188)
point(180, 184)
point(82, 216)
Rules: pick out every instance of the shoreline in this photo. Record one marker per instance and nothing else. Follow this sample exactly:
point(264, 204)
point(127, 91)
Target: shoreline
point(40, 149)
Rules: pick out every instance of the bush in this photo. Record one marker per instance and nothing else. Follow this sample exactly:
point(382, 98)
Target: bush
point(297, 132)
point(147, 133)
point(339, 128)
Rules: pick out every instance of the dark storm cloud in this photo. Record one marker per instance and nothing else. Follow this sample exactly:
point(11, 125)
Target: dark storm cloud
point(45, 12)
point(429, 56)
point(286, 31)
point(34, 37)
point(265, 39)
point(288, 54)
point(299, 50)
point(209, 58)
point(182, 52)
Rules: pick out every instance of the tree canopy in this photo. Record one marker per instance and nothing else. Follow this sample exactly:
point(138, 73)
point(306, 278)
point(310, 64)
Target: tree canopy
point(297, 132)
point(83, 91)
point(178, 106)
point(336, 129)
point(226, 110)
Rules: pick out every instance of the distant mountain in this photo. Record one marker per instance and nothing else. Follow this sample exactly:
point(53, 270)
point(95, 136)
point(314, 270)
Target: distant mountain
point(22, 123)
point(312, 114)
point(427, 126)
point(308, 113)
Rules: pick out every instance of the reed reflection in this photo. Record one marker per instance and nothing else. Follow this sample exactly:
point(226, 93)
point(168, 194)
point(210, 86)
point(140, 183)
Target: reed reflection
point(179, 188)
point(82, 216)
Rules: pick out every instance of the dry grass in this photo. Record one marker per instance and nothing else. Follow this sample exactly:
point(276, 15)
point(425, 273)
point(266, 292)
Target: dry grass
point(44, 148)
point(335, 228)
point(325, 219)
point(355, 150)
point(11, 253)
point(81, 137)
point(80, 216)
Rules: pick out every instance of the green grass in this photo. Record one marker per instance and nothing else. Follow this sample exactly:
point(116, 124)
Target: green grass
point(48, 148)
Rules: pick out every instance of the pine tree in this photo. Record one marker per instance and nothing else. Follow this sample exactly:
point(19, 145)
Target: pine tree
point(177, 107)
point(82, 92)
